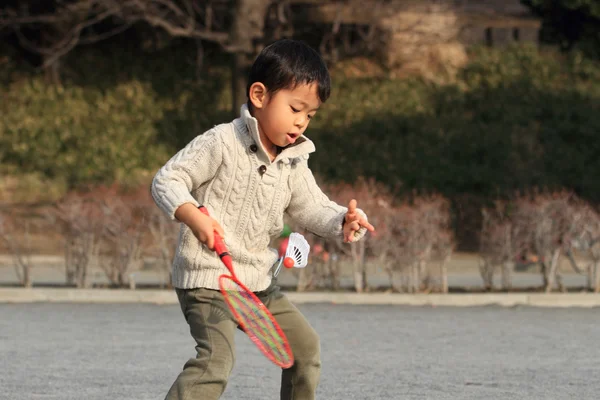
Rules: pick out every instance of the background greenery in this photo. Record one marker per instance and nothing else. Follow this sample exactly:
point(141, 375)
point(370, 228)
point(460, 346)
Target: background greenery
point(513, 119)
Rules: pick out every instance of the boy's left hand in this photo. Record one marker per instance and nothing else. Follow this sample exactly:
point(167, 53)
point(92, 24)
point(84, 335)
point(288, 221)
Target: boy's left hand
point(353, 222)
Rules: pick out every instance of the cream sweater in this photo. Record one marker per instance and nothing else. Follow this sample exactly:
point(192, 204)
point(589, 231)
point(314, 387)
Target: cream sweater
point(228, 170)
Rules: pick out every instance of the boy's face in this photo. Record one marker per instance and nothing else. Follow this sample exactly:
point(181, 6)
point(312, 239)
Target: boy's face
point(284, 116)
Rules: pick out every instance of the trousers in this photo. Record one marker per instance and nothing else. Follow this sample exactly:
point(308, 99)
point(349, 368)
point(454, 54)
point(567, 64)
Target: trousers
point(213, 328)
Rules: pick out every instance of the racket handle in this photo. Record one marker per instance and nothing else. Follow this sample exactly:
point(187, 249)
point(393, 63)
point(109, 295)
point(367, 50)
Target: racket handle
point(220, 247)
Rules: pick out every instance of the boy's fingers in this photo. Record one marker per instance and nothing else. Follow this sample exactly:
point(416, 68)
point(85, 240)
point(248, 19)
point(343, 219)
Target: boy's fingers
point(367, 225)
point(351, 214)
point(219, 229)
point(210, 240)
point(354, 226)
point(352, 206)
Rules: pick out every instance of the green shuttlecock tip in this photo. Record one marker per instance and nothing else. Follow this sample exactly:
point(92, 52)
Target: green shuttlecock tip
point(286, 232)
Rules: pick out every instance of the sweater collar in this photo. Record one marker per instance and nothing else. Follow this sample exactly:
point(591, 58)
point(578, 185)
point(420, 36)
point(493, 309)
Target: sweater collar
point(302, 147)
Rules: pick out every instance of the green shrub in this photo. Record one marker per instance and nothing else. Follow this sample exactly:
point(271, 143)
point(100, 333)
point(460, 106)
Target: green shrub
point(515, 118)
point(81, 134)
point(113, 116)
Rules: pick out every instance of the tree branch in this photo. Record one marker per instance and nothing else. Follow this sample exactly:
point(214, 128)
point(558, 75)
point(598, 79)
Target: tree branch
point(74, 20)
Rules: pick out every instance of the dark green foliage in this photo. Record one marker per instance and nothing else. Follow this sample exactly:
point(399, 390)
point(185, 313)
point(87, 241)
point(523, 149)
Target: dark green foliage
point(118, 111)
point(514, 119)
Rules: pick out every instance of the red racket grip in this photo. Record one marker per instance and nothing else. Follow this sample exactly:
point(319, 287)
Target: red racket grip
point(220, 246)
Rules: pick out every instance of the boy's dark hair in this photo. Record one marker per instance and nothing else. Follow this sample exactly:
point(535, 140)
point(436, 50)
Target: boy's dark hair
point(286, 63)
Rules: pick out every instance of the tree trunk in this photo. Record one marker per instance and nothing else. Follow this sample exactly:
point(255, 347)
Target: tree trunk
point(239, 74)
point(415, 279)
point(332, 268)
point(247, 28)
point(444, 274)
point(360, 273)
point(390, 273)
point(304, 281)
point(589, 277)
point(424, 276)
point(52, 73)
point(544, 270)
point(552, 271)
point(27, 276)
point(166, 266)
point(597, 276)
point(486, 270)
point(358, 278)
point(506, 278)
point(363, 263)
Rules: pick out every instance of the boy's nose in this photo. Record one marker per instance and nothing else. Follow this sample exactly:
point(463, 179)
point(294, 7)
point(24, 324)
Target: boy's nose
point(300, 121)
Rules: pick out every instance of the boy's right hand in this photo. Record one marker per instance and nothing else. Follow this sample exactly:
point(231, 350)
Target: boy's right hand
point(201, 225)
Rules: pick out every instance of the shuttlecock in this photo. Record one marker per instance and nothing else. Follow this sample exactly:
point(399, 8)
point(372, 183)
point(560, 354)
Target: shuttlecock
point(297, 251)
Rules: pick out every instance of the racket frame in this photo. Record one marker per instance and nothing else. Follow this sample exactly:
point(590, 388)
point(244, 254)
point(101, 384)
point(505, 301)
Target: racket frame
point(223, 253)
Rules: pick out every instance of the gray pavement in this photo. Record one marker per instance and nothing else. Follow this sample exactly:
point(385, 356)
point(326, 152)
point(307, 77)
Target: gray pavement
point(165, 296)
point(134, 351)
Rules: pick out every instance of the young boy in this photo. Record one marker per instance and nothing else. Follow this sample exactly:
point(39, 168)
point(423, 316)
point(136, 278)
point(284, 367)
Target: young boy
point(248, 174)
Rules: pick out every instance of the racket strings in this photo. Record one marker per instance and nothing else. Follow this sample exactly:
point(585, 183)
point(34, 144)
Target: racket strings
point(257, 323)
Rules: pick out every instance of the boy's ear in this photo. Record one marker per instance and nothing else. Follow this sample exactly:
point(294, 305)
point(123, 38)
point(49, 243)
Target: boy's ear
point(258, 94)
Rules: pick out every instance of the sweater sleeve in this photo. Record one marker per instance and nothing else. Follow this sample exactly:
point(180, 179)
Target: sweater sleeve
point(312, 209)
point(192, 166)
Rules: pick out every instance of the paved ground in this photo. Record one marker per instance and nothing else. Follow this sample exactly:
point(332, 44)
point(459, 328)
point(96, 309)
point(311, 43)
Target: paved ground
point(15, 295)
point(134, 351)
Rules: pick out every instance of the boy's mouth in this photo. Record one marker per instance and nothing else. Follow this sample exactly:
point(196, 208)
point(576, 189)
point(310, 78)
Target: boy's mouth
point(292, 137)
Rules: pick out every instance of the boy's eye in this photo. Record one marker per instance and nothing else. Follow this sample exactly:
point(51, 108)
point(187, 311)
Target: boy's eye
point(310, 116)
point(294, 110)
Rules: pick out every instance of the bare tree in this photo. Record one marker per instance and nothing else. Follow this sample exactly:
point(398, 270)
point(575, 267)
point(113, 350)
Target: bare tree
point(437, 238)
point(546, 225)
point(81, 222)
point(123, 234)
point(383, 242)
point(497, 246)
point(237, 26)
point(587, 242)
point(444, 249)
point(374, 198)
point(420, 230)
point(246, 30)
point(164, 234)
point(16, 237)
point(407, 239)
point(68, 24)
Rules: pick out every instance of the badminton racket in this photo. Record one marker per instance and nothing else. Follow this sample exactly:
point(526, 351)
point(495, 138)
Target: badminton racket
point(250, 313)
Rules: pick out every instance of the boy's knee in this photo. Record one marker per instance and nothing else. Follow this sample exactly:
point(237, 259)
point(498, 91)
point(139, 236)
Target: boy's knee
point(310, 350)
point(217, 365)
point(226, 361)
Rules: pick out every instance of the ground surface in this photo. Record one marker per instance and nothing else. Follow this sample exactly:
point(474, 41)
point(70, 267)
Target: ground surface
point(134, 351)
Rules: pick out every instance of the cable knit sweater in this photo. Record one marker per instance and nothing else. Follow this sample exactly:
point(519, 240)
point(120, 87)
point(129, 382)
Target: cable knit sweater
point(228, 170)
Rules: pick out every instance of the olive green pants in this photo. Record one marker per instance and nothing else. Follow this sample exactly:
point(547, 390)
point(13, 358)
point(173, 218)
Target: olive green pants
point(213, 328)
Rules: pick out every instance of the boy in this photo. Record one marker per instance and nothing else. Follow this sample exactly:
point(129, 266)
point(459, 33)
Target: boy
point(248, 173)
